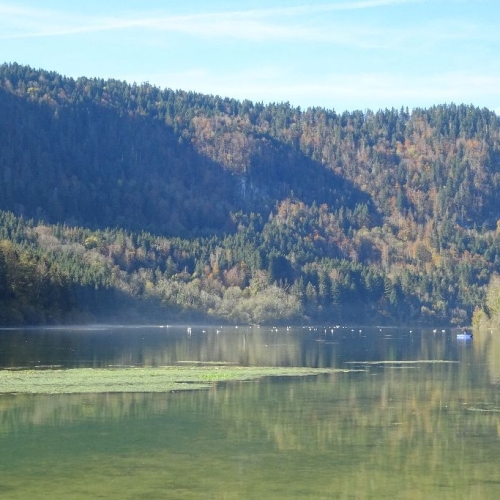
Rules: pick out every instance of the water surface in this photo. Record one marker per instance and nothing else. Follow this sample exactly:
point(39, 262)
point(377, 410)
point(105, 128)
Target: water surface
point(424, 423)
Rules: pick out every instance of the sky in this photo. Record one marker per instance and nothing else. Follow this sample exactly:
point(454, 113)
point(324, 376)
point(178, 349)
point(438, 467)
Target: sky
point(338, 54)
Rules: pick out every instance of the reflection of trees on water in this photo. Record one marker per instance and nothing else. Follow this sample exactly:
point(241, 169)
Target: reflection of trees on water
point(401, 402)
point(486, 346)
point(397, 399)
point(252, 346)
point(396, 404)
point(391, 428)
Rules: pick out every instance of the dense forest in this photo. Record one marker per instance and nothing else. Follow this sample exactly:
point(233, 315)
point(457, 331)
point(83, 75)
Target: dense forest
point(124, 201)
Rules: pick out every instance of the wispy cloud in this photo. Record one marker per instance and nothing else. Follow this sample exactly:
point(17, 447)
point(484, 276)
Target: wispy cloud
point(19, 22)
point(301, 23)
point(301, 10)
point(22, 22)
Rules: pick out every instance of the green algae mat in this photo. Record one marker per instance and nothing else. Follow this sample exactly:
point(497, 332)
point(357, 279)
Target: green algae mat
point(137, 379)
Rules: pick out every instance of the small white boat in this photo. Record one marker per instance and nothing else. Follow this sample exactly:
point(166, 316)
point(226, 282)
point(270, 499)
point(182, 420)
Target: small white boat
point(464, 335)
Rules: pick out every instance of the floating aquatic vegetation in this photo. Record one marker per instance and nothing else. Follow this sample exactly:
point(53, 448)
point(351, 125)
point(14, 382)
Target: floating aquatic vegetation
point(400, 362)
point(484, 407)
point(139, 379)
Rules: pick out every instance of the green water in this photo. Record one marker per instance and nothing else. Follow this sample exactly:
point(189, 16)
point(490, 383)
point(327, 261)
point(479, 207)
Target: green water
point(395, 430)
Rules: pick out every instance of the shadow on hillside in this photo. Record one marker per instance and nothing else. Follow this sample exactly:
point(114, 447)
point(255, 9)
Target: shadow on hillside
point(86, 164)
point(283, 170)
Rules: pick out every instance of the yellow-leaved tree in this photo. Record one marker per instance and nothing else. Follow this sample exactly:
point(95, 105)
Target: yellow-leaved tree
point(489, 314)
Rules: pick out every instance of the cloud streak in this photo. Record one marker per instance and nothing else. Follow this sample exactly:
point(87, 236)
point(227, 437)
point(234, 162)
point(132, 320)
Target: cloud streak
point(273, 24)
point(20, 22)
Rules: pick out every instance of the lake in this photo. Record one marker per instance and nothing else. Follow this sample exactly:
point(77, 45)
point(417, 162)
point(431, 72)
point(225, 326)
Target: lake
point(415, 415)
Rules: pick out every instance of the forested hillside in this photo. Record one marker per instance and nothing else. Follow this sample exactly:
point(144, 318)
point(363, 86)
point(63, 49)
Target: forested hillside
point(174, 205)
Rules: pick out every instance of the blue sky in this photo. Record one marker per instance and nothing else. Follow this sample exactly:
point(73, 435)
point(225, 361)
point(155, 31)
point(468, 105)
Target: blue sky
point(339, 54)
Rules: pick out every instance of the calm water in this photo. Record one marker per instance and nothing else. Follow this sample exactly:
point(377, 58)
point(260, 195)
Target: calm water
point(425, 429)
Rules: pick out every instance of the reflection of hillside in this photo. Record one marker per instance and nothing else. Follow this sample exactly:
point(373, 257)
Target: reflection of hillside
point(400, 401)
point(486, 345)
point(399, 405)
point(27, 411)
point(246, 346)
point(153, 347)
point(390, 429)
point(252, 346)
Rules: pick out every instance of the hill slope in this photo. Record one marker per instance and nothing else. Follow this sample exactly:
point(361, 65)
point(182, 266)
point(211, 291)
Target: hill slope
point(382, 216)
